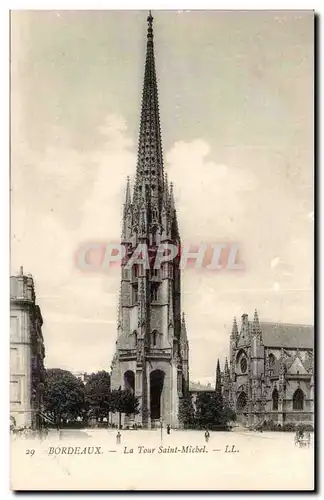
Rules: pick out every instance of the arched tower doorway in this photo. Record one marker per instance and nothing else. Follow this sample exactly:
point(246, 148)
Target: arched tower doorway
point(156, 388)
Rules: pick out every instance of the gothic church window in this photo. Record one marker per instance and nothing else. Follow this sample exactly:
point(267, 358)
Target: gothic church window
point(241, 401)
point(298, 400)
point(243, 365)
point(275, 398)
point(272, 359)
point(154, 338)
point(135, 295)
point(154, 234)
point(154, 294)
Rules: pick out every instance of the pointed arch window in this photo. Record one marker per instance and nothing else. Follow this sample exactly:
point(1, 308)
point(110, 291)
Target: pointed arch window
point(275, 399)
point(241, 401)
point(272, 359)
point(154, 294)
point(154, 336)
point(298, 400)
point(135, 337)
point(243, 365)
point(153, 235)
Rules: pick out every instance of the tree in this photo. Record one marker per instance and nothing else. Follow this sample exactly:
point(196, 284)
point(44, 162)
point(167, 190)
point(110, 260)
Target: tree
point(187, 411)
point(211, 413)
point(123, 401)
point(97, 394)
point(64, 396)
point(206, 410)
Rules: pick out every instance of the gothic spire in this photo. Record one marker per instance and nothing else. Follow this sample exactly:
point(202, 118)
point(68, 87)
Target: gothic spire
point(127, 212)
point(234, 333)
point(128, 193)
point(226, 368)
point(218, 387)
point(183, 327)
point(256, 328)
point(149, 171)
point(174, 213)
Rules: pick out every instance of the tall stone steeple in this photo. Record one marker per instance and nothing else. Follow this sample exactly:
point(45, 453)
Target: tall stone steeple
point(149, 171)
point(152, 349)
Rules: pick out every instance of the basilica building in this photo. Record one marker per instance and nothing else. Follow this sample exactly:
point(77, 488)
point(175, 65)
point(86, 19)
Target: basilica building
point(151, 357)
point(270, 374)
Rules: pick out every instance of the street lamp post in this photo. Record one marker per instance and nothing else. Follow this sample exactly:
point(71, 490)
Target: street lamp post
point(161, 423)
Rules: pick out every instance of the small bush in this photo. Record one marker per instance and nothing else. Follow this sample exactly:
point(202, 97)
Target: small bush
point(289, 427)
point(305, 428)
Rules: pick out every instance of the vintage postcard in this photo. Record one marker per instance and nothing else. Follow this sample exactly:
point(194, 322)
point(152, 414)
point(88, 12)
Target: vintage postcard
point(162, 220)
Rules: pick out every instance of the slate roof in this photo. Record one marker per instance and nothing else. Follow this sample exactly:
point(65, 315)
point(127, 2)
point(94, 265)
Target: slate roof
point(288, 335)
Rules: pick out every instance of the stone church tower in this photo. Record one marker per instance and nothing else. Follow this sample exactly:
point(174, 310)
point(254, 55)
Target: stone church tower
point(151, 357)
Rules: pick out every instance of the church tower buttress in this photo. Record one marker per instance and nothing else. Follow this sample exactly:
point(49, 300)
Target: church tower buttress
point(151, 357)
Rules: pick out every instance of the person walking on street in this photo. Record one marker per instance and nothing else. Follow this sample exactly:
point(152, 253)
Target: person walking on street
point(207, 436)
point(118, 437)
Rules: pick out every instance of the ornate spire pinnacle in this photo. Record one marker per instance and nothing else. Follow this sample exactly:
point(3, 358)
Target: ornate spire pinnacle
point(218, 387)
point(175, 225)
point(234, 333)
point(127, 212)
point(256, 328)
point(166, 192)
point(226, 368)
point(128, 193)
point(150, 18)
point(149, 171)
point(172, 204)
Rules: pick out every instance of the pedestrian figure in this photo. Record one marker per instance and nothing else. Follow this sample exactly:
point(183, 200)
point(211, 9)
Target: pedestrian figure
point(118, 437)
point(207, 436)
point(168, 429)
point(296, 438)
point(308, 437)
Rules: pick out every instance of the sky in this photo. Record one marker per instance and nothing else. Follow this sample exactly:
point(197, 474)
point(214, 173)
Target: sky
point(236, 110)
